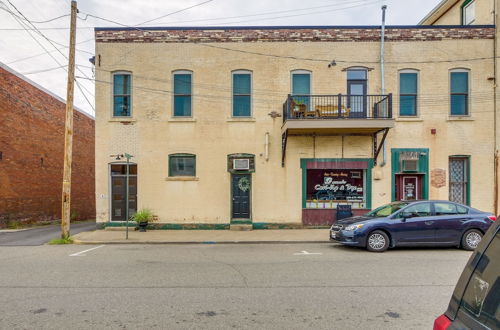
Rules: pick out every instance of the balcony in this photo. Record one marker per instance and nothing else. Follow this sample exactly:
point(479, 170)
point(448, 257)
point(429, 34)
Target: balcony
point(317, 115)
point(337, 114)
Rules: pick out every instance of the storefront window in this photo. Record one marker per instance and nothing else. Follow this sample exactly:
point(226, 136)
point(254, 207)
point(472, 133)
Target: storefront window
point(328, 187)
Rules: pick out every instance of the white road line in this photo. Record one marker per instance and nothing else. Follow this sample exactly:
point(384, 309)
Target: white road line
point(305, 253)
point(80, 254)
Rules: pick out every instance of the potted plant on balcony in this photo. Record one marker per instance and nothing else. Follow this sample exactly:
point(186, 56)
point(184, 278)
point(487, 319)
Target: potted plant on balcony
point(143, 217)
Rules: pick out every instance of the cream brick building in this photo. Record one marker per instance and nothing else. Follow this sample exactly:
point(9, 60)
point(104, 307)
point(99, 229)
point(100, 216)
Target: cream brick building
point(276, 126)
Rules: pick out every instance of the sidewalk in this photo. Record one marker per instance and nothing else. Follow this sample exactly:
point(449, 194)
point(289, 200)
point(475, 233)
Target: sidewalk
point(203, 236)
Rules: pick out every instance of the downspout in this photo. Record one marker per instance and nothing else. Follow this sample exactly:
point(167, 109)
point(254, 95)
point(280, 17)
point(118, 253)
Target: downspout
point(382, 73)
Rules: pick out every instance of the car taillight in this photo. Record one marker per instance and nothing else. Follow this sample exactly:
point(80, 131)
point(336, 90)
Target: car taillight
point(492, 218)
point(442, 323)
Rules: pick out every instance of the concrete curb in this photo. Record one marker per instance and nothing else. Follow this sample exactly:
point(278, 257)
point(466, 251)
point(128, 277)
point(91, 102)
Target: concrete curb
point(78, 242)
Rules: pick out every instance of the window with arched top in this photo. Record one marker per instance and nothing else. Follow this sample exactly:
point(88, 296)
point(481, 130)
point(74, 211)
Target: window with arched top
point(182, 80)
point(408, 92)
point(242, 93)
point(459, 92)
point(122, 94)
point(181, 165)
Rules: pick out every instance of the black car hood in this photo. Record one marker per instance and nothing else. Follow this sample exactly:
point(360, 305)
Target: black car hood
point(351, 220)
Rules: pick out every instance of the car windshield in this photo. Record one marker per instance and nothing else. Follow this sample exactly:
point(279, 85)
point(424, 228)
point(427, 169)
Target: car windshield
point(387, 209)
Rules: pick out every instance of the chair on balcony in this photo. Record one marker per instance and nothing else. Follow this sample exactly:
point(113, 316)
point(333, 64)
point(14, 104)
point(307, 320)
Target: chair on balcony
point(331, 110)
point(300, 110)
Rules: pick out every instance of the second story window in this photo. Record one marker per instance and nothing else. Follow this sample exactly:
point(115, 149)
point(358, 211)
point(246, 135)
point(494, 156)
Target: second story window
point(459, 92)
point(468, 12)
point(122, 106)
point(408, 86)
point(181, 165)
point(242, 93)
point(182, 94)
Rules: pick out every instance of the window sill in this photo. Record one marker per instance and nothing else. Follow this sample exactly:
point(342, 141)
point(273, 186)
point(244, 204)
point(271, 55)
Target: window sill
point(414, 119)
point(460, 118)
point(240, 119)
point(182, 178)
point(122, 120)
point(182, 120)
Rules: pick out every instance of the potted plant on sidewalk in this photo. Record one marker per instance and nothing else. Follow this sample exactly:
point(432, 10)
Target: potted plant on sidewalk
point(143, 217)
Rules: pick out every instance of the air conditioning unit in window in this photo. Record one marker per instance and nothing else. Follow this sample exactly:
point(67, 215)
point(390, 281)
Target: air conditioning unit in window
point(241, 164)
point(409, 165)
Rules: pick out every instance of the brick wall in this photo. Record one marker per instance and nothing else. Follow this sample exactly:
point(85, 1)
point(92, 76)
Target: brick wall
point(31, 147)
point(326, 34)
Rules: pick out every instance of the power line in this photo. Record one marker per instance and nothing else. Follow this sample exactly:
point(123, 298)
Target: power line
point(41, 34)
point(264, 14)
point(36, 22)
point(175, 12)
point(44, 53)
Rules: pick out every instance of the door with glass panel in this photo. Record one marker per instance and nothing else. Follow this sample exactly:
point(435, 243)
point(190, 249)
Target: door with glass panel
point(118, 173)
point(356, 91)
point(301, 88)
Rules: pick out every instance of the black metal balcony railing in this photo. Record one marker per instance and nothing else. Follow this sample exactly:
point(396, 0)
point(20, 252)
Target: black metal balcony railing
point(338, 107)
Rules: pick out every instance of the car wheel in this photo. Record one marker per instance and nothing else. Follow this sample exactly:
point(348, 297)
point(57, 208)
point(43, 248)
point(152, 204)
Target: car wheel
point(471, 239)
point(377, 241)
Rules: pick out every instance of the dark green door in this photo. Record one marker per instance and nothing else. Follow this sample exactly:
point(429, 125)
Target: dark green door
point(241, 186)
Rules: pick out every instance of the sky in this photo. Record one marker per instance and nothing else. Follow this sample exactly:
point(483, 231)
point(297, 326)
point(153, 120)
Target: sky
point(42, 55)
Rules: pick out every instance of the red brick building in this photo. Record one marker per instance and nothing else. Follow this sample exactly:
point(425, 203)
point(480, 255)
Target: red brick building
point(31, 154)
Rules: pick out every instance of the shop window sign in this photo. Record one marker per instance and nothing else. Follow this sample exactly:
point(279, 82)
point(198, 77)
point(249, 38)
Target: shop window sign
point(328, 187)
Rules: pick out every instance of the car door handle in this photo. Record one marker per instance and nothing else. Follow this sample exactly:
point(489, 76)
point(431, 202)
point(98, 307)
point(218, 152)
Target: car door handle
point(429, 222)
point(464, 219)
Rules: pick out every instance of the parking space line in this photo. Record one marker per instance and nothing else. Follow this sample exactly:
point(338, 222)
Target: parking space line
point(80, 254)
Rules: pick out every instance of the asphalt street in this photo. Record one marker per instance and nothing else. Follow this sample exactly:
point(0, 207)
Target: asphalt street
point(40, 235)
point(210, 286)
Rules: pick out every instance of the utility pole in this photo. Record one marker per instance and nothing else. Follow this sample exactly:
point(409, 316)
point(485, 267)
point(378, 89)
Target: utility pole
point(68, 129)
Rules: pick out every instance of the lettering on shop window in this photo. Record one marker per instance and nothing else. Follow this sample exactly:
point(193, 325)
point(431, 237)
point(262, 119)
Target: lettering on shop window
point(332, 186)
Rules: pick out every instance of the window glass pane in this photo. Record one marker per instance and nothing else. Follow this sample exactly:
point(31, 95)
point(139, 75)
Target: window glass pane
point(301, 84)
point(356, 74)
point(482, 295)
point(408, 105)
point(241, 106)
point(182, 165)
point(182, 84)
point(408, 83)
point(469, 13)
point(419, 210)
point(121, 84)
point(182, 105)
point(241, 83)
point(460, 82)
point(445, 208)
point(458, 104)
point(328, 187)
point(121, 106)
point(462, 210)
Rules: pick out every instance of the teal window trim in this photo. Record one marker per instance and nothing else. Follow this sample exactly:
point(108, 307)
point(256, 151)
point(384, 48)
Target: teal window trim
point(368, 181)
point(183, 93)
point(241, 97)
point(459, 94)
point(408, 93)
point(124, 94)
point(423, 168)
point(468, 186)
point(462, 7)
point(171, 157)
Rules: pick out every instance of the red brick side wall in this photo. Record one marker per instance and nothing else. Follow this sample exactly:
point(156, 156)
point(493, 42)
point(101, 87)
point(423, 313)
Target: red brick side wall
point(293, 35)
point(31, 147)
